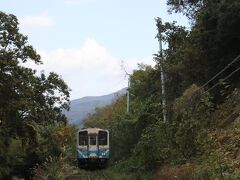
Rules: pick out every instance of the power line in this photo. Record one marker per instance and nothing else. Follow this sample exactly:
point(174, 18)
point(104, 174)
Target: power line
point(230, 116)
point(222, 80)
point(220, 72)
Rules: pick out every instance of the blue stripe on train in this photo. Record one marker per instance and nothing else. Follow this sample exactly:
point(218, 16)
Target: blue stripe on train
point(103, 153)
point(82, 153)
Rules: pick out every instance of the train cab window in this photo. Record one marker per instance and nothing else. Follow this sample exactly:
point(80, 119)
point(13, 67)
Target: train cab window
point(93, 139)
point(102, 138)
point(83, 138)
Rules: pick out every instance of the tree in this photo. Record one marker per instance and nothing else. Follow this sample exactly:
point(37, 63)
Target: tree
point(213, 39)
point(25, 97)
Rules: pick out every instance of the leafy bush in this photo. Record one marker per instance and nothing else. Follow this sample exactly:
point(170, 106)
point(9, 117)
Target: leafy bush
point(54, 168)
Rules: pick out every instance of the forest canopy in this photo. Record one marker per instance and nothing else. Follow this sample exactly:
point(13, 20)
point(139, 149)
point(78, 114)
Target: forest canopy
point(27, 101)
point(201, 66)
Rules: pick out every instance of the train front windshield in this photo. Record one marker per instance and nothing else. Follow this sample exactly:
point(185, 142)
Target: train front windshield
point(83, 138)
point(102, 138)
point(93, 139)
point(86, 139)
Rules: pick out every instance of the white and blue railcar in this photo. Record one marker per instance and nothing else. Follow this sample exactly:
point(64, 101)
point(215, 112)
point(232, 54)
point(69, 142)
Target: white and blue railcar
point(92, 147)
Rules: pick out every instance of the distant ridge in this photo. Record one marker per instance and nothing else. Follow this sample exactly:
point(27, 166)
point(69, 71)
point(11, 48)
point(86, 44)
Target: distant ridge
point(80, 108)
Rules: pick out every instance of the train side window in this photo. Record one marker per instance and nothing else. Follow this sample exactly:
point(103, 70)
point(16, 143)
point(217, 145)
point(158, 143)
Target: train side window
point(102, 138)
point(83, 138)
point(92, 139)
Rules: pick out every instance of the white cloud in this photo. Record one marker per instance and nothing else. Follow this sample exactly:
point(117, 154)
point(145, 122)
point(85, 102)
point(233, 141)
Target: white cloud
point(36, 21)
point(88, 70)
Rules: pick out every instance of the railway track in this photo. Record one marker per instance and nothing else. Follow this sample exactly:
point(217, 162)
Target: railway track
point(77, 177)
point(103, 175)
point(90, 175)
point(89, 178)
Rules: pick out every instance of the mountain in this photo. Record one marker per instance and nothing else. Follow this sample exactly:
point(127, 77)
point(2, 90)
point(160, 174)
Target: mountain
point(80, 108)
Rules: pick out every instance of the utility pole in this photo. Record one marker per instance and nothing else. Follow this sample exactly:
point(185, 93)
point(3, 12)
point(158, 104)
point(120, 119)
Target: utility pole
point(129, 84)
point(128, 96)
point(159, 36)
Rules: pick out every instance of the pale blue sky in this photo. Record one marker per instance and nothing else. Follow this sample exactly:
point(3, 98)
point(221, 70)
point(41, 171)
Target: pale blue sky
point(85, 40)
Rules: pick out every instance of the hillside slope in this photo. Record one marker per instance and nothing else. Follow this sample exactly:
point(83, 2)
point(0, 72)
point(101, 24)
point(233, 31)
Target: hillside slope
point(80, 108)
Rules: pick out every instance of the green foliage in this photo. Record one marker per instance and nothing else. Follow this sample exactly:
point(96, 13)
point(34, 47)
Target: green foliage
point(27, 100)
point(153, 146)
point(192, 113)
point(54, 168)
point(122, 131)
point(190, 8)
point(227, 112)
point(14, 45)
point(120, 125)
point(221, 156)
point(170, 172)
point(196, 55)
point(55, 150)
point(175, 141)
point(144, 83)
point(54, 140)
point(4, 158)
point(201, 134)
point(103, 117)
point(220, 145)
point(202, 131)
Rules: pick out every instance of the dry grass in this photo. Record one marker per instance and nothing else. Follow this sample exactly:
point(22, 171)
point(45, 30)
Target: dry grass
point(171, 172)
